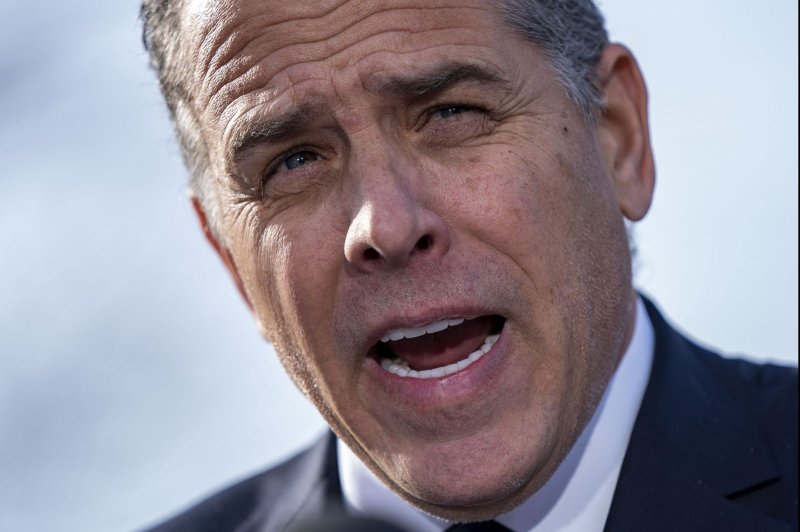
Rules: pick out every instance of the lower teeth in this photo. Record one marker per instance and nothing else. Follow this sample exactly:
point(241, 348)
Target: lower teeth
point(399, 367)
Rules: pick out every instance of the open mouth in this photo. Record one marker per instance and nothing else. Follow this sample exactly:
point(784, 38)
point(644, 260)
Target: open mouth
point(438, 349)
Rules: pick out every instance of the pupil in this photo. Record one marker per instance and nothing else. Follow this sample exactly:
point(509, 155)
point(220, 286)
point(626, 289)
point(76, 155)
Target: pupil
point(451, 111)
point(299, 159)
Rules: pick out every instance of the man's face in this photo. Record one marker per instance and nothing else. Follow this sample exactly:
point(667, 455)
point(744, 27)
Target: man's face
point(391, 168)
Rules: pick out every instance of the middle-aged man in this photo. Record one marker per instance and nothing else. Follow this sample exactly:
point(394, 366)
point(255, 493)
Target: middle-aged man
point(423, 203)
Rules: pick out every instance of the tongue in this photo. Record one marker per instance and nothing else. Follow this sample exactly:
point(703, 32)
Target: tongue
point(445, 347)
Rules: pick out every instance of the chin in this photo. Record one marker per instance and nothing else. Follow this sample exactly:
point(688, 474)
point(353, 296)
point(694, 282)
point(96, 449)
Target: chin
point(480, 502)
point(488, 480)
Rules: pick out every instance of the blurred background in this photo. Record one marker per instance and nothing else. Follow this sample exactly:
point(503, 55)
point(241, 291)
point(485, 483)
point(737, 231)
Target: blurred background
point(132, 378)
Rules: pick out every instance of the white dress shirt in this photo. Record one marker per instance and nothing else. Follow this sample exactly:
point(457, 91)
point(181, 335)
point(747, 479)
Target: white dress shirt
point(578, 495)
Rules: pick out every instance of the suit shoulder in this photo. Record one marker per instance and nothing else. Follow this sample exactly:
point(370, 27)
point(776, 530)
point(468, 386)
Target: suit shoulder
point(237, 506)
point(767, 388)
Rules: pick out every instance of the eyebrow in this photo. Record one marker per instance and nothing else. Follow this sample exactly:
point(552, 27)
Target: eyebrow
point(297, 119)
point(426, 85)
point(273, 129)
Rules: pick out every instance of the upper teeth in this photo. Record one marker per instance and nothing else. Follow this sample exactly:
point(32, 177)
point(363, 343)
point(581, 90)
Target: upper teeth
point(413, 332)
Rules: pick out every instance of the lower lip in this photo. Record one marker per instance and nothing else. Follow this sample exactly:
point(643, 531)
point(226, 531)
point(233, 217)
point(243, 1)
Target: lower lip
point(438, 391)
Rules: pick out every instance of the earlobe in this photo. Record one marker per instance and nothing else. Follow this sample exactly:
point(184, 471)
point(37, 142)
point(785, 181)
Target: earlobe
point(624, 131)
point(222, 251)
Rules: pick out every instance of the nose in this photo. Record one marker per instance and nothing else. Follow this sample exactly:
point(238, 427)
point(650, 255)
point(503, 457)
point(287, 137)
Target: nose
point(392, 226)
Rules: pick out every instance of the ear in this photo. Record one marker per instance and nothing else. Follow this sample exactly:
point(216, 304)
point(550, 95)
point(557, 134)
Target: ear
point(624, 131)
point(222, 251)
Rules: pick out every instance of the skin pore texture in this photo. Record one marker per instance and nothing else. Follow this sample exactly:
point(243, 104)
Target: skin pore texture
point(386, 165)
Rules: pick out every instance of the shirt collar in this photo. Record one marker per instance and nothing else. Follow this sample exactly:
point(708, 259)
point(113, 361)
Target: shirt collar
point(578, 495)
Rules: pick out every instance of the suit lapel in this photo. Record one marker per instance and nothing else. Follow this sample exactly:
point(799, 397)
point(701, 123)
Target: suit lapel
point(693, 447)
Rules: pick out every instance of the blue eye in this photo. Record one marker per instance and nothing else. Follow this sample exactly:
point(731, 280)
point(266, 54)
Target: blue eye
point(452, 110)
point(300, 158)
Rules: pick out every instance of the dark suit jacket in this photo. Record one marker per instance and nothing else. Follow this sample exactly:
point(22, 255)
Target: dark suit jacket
point(714, 448)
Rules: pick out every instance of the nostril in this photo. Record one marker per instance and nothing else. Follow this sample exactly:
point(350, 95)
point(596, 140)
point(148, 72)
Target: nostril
point(371, 254)
point(424, 243)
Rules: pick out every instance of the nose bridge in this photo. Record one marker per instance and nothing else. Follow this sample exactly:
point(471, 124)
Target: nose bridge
point(387, 185)
point(390, 222)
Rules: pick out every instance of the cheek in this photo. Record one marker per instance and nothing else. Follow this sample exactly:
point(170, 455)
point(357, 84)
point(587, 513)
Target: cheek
point(524, 205)
point(314, 260)
point(297, 256)
point(300, 270)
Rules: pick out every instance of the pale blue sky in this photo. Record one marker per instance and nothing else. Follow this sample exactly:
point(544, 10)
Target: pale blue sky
point(132, 378)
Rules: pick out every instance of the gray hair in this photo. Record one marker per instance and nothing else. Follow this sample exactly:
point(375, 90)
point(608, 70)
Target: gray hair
point(571, 33)
point(161, 34)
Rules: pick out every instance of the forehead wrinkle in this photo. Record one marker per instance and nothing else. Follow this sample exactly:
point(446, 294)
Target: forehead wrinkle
point(252, 80)
point(220, 100)
point(226, 63)
point(257, 20)
point(220, 60)
point(219, 20)
point(332, 41)
point(409, 86)
point(210, 34)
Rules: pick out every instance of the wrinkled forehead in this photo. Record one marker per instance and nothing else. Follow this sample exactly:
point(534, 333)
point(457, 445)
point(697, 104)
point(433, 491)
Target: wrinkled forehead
point(325, 17)
point(254, 41)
